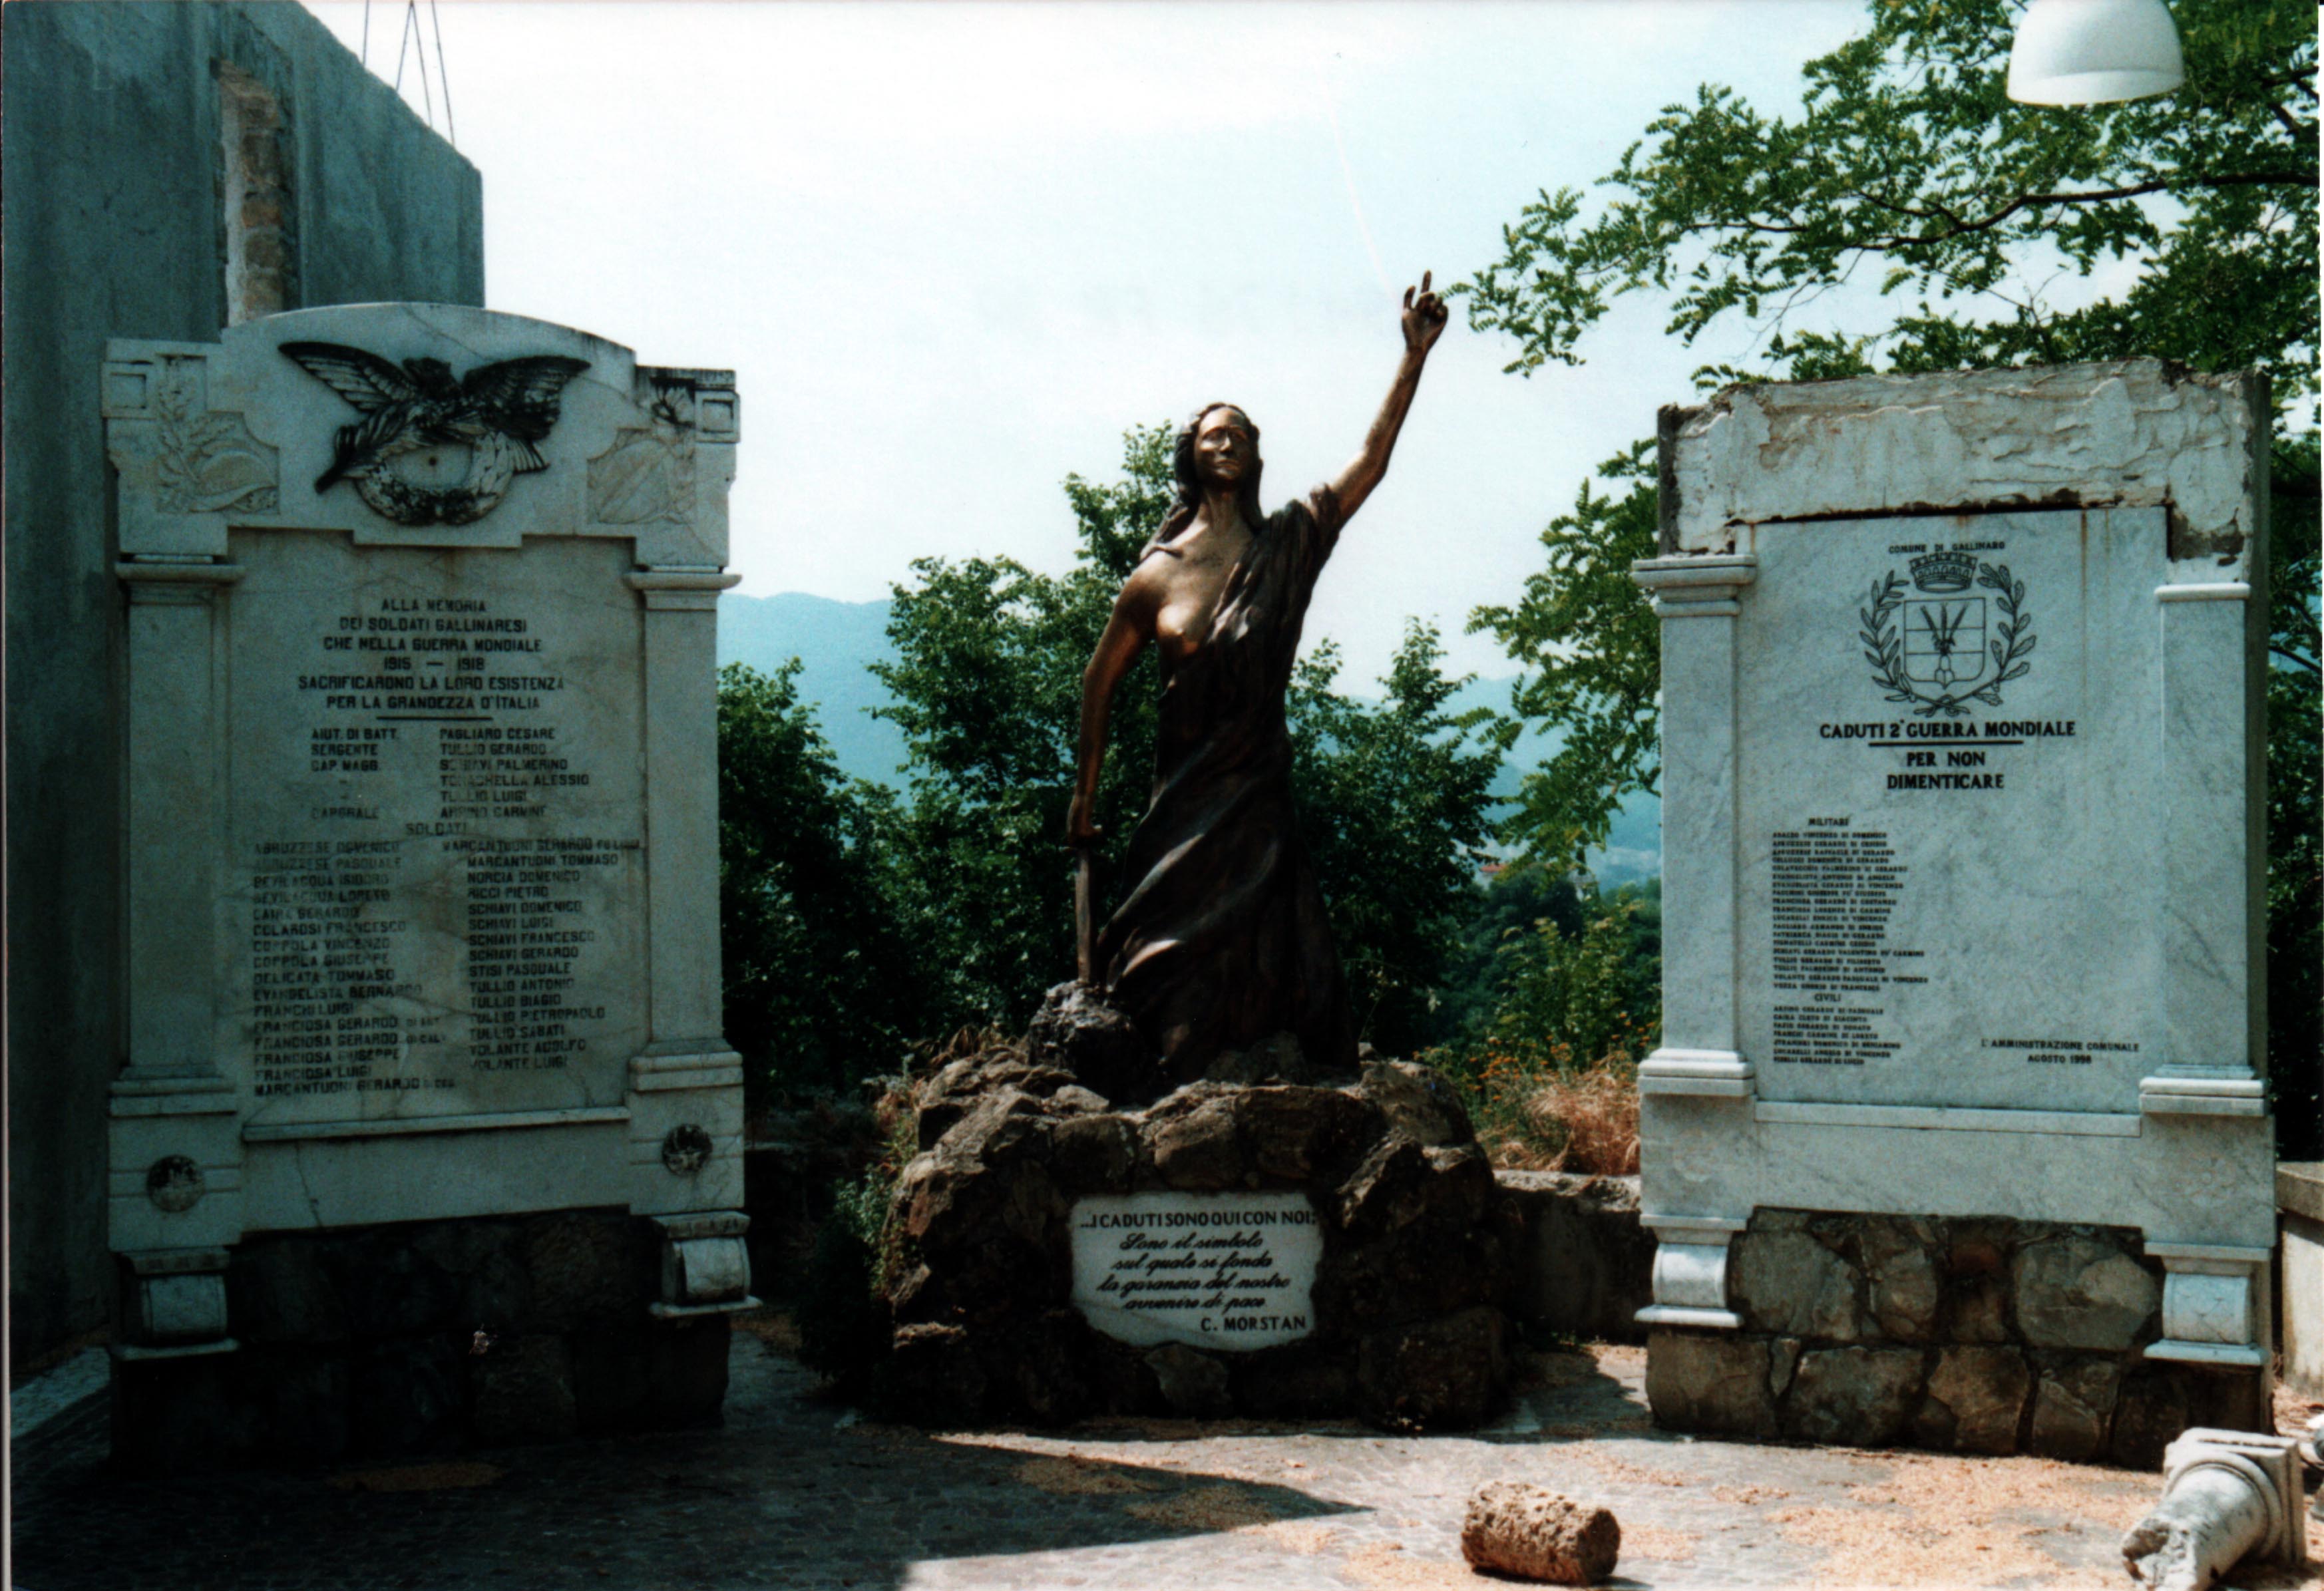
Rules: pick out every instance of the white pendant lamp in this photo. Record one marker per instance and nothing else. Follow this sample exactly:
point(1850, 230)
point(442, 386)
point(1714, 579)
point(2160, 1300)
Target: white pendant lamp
point(2094, 53)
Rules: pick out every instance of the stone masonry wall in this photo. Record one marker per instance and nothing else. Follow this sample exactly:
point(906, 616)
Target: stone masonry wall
point(1980, 1335)
point(427, 1336)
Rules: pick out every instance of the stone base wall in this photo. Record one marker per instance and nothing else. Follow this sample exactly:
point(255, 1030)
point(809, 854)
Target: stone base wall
point(1419, 1248)
point(2300, 1274)
point(427, 1337)
point(1979, 1336)
point(1587, 1266)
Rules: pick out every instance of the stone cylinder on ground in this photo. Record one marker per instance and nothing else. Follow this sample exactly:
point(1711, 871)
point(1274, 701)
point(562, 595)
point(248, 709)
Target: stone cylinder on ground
point(1530, 1531)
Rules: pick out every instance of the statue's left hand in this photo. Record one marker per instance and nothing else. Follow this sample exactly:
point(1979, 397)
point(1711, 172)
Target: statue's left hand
point(1424, 318)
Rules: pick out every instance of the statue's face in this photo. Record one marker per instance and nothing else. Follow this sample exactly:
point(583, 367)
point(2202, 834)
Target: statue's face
point(1223, 450)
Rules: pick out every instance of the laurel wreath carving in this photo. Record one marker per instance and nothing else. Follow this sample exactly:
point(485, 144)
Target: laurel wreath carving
point(2011, 643)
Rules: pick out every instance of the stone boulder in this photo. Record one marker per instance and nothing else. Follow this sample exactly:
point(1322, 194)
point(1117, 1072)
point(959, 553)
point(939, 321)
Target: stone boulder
point(1420, 1246)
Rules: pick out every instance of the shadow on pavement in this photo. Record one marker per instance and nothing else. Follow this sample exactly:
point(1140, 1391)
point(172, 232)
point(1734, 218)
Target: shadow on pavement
point(791, 1493)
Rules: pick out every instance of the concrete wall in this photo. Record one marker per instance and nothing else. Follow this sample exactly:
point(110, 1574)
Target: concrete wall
point(2300, 1274)
point(114, 227)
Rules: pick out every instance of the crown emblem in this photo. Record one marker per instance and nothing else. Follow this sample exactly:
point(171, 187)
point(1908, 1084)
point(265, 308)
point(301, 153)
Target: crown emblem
point(1944, 572)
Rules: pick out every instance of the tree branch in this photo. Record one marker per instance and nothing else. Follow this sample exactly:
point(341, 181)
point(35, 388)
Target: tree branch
point(2024, 201)
point(2296, 658)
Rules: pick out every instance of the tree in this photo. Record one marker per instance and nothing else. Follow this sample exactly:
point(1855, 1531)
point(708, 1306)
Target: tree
point(988, 690)
point(820, 988)
point(1908, 160)
point(1393, 804)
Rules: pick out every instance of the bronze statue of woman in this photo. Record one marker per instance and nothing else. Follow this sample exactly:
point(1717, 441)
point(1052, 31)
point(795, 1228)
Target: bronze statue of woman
point(1221, 942)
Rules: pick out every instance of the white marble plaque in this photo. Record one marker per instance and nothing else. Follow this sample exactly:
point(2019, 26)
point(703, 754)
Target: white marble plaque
point(1219, 1271)
point(437, 896)
point(1942, 724)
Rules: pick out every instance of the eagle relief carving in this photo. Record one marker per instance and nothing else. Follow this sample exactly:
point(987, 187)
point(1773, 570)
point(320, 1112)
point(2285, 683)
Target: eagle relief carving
point(416, 416)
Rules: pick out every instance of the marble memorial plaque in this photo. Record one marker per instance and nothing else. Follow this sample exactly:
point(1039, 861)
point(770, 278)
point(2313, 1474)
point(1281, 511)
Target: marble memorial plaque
point(1937, 744)
point(436, 900)
point(1218, 1271)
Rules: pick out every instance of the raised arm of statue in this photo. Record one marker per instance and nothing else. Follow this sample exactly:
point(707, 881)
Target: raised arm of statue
point(1424, 323)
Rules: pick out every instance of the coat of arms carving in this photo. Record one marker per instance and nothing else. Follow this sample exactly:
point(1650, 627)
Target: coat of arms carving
point(498, 413)
point(1956, 635)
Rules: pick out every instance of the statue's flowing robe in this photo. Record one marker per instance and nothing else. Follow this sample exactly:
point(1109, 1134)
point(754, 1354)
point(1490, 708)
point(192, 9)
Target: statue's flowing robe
point(1222, 942)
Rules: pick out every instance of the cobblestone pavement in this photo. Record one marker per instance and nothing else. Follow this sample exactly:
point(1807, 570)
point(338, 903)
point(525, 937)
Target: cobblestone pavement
point(796, 1493)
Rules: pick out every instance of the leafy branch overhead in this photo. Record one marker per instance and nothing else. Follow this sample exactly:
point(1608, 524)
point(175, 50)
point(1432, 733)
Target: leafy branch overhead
point(1908, 158)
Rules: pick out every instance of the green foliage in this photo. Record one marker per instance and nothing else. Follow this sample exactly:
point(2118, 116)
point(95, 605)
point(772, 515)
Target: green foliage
point(2295, 858)
point(1909, 158)
point(843, 1324)
point(1514, 898)
point(988, 685)
point(2185, 227)
point(1573, 999)
point(817, 987)
point(1591, 651)
point(1392, 804)
point(1545, 1063)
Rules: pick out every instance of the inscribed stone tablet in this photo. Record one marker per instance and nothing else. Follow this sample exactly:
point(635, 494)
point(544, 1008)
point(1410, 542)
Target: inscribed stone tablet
point(1230, 1271)
point(438, 823)
point(1948, 760)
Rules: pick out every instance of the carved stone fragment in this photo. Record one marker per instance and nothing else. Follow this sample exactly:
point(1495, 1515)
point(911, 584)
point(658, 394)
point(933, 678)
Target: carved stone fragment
point(2226, 1494)
point(1531, 1533)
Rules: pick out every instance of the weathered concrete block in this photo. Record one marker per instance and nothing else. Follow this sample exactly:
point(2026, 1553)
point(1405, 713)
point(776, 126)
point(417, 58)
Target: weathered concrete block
point(2299, 1200)
point(522, 1388)
point(1446, 1373)
point(1194, 1384)
point(1863, 1396)
point(2073, 1406)
point(1976, 1398)
point(1717, 1385)
point(1788, 1283)
point(1901, 1274)
point(2076, 1291)
point(1587, 1264)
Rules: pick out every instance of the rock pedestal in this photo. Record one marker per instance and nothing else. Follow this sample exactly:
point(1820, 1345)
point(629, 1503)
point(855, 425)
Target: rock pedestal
point(1377, 1185)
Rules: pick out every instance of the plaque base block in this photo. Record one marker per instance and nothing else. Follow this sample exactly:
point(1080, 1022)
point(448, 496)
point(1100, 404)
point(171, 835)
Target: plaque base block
point(1264, 1251)
point(427, 1337)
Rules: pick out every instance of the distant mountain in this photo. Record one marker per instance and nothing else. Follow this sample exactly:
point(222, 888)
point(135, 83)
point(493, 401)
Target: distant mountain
point(836, 641)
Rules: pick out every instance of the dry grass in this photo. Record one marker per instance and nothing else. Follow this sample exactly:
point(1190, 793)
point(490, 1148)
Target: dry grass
point(1383, 1566)
point(1205, 1509)
point(1301, 1540)
point(1076, 1476)
point(1940, 1520)
point(1537, 1118)
point(1592, 1118)
point(1657, 1544)
point(1622, 1472)
point(778, 1328)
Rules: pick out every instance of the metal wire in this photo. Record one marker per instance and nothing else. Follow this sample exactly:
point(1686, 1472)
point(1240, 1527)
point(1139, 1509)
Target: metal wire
point(443, 78)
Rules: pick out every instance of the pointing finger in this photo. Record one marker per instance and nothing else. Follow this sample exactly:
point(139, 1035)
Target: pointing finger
point(1408, 297)
point(1424, 280)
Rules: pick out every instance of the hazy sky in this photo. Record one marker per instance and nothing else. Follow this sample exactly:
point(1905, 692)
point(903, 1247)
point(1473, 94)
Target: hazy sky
point(954, 250)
